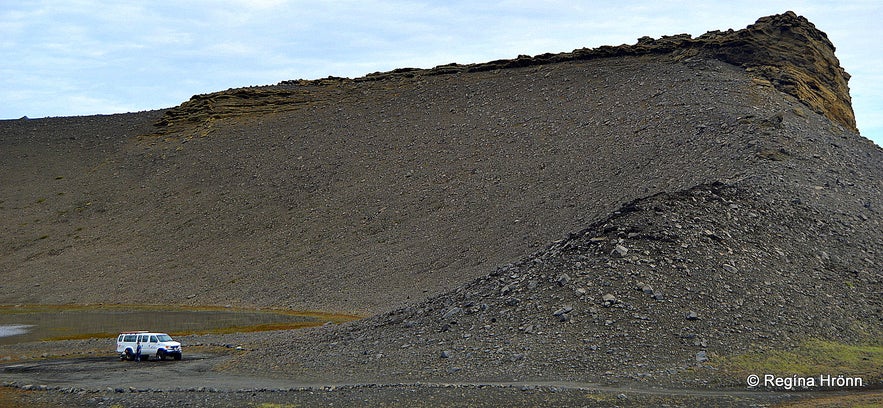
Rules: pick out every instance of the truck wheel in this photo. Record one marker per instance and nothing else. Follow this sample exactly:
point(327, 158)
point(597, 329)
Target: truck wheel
point(129, 355)
point(161, 354)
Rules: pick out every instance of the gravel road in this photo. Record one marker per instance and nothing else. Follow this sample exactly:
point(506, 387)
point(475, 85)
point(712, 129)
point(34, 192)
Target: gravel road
point(194, 381)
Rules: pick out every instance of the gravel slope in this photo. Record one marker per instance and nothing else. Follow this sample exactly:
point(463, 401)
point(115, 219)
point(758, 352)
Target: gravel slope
point(677, 210)
point(375, 202)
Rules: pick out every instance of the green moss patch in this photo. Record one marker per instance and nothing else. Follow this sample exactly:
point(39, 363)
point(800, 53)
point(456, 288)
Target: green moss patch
point(812, 358)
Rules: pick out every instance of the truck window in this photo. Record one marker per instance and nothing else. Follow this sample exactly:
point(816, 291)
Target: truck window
point(153, 339)
point(129, 338)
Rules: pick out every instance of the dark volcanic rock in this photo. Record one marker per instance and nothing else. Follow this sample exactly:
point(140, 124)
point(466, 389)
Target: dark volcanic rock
point(724, 171)
point(625, 340)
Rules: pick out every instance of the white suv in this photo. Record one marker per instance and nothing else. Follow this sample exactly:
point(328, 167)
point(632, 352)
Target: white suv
point(160, 345)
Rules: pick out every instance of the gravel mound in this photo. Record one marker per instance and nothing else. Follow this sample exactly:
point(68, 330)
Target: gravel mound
point(662, 287)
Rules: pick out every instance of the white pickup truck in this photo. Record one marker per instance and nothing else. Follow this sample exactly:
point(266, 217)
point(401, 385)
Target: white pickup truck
point(160, 345)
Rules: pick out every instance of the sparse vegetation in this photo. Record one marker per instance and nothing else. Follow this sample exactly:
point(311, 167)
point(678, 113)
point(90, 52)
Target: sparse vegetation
point(859, 400)
point(812, 358)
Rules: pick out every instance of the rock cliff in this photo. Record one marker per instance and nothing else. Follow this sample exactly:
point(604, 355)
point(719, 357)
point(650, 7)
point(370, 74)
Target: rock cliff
point(785, 51)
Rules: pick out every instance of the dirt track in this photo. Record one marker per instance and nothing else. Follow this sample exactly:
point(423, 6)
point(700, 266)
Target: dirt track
point(101, 373)
point(89, 381)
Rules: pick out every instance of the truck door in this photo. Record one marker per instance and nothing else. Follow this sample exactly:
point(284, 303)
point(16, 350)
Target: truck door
point(152, 345)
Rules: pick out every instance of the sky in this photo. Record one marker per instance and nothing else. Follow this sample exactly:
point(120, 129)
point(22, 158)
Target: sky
point(84, 57)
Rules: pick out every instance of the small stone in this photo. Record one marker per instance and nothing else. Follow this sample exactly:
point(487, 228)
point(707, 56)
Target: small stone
point(713, 236)
point(446, 354)
point(691, 315)
point(609, 300)
point(451, 312)
point(730, 268)
point(619, 251)
point(564, 279)
point(701, 357)
point(512, 302)
point(516, 357)
point(580, 291)
point(563, 310)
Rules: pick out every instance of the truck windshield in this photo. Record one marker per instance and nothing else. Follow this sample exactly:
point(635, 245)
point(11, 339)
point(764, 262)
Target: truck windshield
point(164, 337)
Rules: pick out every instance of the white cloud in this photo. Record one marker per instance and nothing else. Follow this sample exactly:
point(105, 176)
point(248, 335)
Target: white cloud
point(95, 52)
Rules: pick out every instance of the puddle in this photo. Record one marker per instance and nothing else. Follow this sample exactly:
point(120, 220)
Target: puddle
point(33, 323)
point(14, 329)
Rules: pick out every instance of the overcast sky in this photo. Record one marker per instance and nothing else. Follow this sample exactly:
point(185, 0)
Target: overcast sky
point(83, 57)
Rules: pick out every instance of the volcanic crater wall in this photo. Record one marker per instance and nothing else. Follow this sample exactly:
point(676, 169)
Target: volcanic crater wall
point(361, 195)
point(785, 50)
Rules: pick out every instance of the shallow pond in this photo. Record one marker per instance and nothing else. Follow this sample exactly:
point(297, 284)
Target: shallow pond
point(32, 323)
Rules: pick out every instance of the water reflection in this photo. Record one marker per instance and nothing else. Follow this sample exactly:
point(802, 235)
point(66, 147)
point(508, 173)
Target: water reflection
point(13, 329)
point(19, 325)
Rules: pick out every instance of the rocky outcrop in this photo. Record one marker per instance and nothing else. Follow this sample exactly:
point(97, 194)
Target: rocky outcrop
point(786, 51)
point(794, 56)
point(198, 114)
